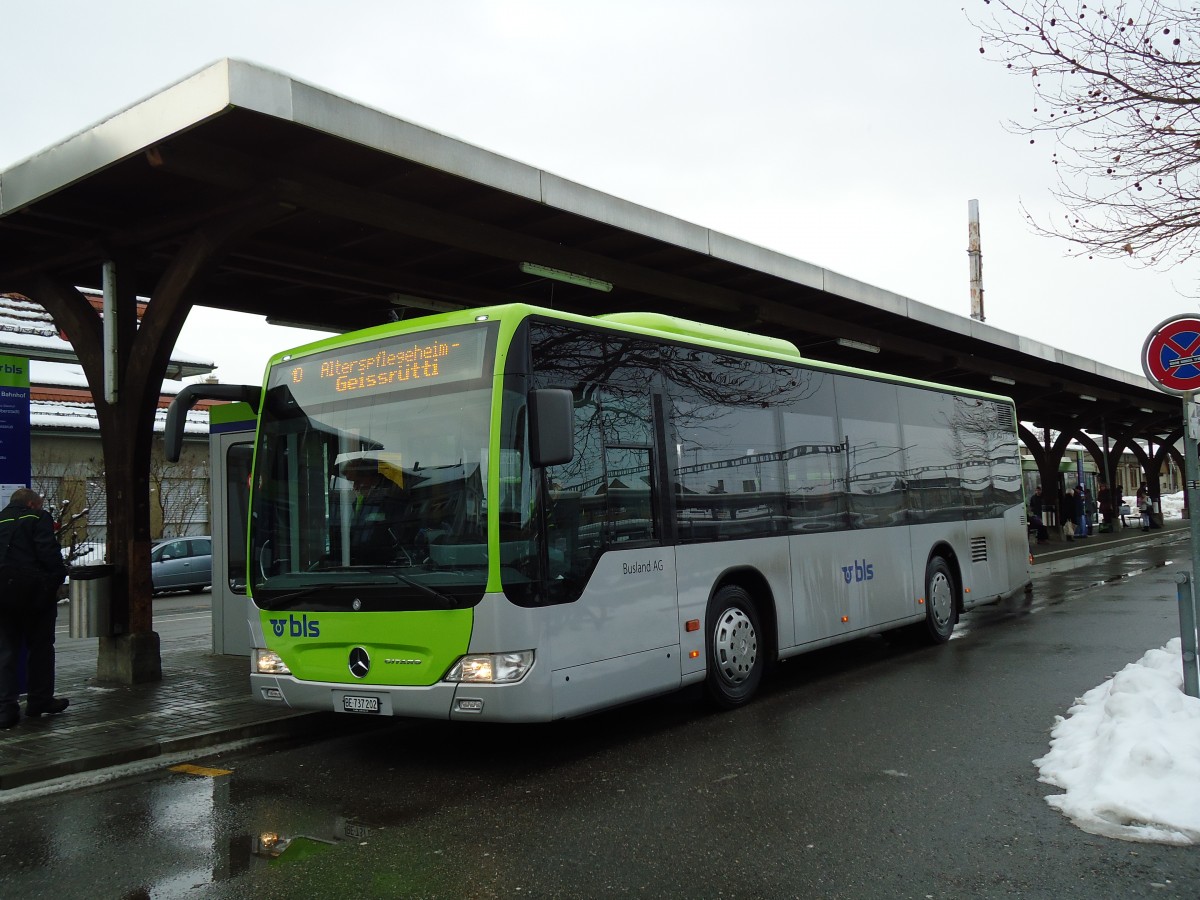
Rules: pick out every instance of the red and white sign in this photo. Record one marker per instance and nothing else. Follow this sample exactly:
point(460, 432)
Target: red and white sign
point(1171, 355)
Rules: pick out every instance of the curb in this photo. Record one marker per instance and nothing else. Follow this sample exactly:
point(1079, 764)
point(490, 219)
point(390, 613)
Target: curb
point(23, 776)
point(289, 726)
point(292, 725)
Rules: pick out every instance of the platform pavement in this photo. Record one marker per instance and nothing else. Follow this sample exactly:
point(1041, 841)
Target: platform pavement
point(1059, 548)
point(203, 700)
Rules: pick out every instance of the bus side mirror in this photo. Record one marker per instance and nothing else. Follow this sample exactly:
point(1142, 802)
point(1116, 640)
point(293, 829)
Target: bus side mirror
point(186, 399)
point(551, 427)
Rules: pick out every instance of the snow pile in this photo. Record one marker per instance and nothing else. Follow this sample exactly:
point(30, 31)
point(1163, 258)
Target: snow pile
point(1128, 755)
point(1172, 505)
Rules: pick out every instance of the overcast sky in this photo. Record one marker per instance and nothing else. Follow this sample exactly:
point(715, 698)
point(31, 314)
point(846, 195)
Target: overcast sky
point(849, 135)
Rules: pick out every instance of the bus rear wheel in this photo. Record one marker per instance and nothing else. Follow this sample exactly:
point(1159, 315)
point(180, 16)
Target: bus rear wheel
point(941, 601)
point(735, 657)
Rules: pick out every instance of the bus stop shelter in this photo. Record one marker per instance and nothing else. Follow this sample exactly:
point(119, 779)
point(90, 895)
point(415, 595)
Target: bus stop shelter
point(244, 189)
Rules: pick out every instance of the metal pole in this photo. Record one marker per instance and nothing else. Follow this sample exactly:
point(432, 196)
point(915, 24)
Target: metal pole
point(1187, 595)
point(111, 381)
point(1108, 479)
point(1187, 632)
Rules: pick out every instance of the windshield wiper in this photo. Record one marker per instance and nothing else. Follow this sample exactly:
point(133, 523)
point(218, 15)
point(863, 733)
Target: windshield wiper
point(449, 601)
point(386, 577)
point(273, 602)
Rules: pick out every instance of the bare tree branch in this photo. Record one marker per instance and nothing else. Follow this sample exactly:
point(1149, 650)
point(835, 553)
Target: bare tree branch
point(1117, 86)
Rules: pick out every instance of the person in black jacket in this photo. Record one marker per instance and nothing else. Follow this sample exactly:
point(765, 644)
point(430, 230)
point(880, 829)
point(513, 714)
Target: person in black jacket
point(1070, 513)
point(1037, 516)
point(31, 569)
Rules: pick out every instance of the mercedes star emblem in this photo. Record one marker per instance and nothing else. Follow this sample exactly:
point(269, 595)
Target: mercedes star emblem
point(360, 662)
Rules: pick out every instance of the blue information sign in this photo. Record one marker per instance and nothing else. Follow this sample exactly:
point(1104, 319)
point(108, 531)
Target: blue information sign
point(14, 425)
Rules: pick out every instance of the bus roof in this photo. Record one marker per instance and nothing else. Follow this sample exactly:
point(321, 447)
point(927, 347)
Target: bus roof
point(654, 325)
point(685, 328)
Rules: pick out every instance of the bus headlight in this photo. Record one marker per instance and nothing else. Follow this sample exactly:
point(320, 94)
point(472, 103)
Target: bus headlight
point(268, 662)
point(491, 668)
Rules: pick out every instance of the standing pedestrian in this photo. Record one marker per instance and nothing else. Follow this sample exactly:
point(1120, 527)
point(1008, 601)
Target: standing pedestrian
point(1037, 516)
point(1143, 505)
point(1105, 498)
point(1070, 512)
point(1083, 504)
point(31, 569)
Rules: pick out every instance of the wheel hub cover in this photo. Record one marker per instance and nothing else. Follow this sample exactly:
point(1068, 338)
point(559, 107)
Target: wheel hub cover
point(736, 645)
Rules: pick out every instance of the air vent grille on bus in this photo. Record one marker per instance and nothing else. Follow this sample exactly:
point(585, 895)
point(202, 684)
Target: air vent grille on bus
point(979, 549)
point(1004, 416)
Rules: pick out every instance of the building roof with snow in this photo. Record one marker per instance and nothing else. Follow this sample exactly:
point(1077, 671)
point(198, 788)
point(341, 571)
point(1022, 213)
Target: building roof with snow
point(28, 330)
point(59, 398)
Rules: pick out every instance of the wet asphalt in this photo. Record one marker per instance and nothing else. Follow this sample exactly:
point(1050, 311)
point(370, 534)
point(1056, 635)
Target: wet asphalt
point(877, 769)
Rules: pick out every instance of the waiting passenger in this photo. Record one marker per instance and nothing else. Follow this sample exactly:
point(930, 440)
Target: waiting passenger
point(1070, 512)
point(1037, 517)
point(1083, 504)
point(1144, 505)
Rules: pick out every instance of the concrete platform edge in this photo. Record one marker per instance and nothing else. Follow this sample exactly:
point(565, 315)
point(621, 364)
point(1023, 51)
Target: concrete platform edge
point(287, 726)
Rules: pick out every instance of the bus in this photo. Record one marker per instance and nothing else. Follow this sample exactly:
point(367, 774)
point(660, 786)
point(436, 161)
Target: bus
point(516, 514)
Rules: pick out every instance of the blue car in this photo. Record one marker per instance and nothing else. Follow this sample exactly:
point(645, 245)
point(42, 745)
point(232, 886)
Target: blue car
point(181, 564)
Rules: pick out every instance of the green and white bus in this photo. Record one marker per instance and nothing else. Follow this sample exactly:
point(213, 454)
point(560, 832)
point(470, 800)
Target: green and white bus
point(516, 514)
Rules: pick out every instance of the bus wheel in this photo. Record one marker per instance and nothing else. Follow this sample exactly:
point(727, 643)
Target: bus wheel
point(941, 602)
point(735, 659)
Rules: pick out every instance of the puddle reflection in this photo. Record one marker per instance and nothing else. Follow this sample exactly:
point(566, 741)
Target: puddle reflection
point(279, 832)
point(276, 847)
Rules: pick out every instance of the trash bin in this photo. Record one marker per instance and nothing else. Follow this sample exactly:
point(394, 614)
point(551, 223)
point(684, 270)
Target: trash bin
point(90, 595)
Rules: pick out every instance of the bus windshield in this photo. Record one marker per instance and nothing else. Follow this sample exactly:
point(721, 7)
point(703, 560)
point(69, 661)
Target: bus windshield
point(371, 474)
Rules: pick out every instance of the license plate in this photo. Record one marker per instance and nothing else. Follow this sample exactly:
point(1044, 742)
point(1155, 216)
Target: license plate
point(360, 704)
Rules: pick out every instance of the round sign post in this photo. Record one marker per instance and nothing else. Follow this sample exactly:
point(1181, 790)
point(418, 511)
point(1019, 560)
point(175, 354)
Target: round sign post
point(1171, 359)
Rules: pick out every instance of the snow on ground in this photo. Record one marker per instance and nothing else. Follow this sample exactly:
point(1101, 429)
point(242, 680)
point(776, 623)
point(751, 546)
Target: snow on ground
point(1128, 755)
point(1172, 505)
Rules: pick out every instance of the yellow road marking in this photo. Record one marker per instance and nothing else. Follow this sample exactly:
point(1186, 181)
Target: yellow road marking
point(203, 771)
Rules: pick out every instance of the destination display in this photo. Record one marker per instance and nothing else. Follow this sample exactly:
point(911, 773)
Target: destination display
point(387, 365)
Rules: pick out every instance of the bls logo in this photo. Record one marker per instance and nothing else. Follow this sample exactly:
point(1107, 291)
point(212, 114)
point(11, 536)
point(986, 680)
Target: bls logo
point(296, 627)
point(860, 571)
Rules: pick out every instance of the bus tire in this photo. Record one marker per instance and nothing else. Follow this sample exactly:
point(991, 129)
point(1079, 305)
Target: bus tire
point(736, 656)
point(941, 601)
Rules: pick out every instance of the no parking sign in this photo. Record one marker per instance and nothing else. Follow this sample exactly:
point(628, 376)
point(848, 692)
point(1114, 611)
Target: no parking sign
point(1171, 355)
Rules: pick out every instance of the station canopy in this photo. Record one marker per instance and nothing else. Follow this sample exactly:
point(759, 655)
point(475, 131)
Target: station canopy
point(361, 217)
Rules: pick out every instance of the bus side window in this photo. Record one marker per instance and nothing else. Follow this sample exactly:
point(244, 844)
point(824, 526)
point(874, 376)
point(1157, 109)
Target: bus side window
point(728, 474)
point(933, 457)
point(875, 477)
point(575, 512)
point(629, 516)
point(816, 472)
point(602, 497)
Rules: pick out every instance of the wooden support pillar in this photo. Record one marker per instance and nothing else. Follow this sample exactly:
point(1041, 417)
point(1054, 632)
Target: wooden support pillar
point(131, 654)
point(126, 416)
